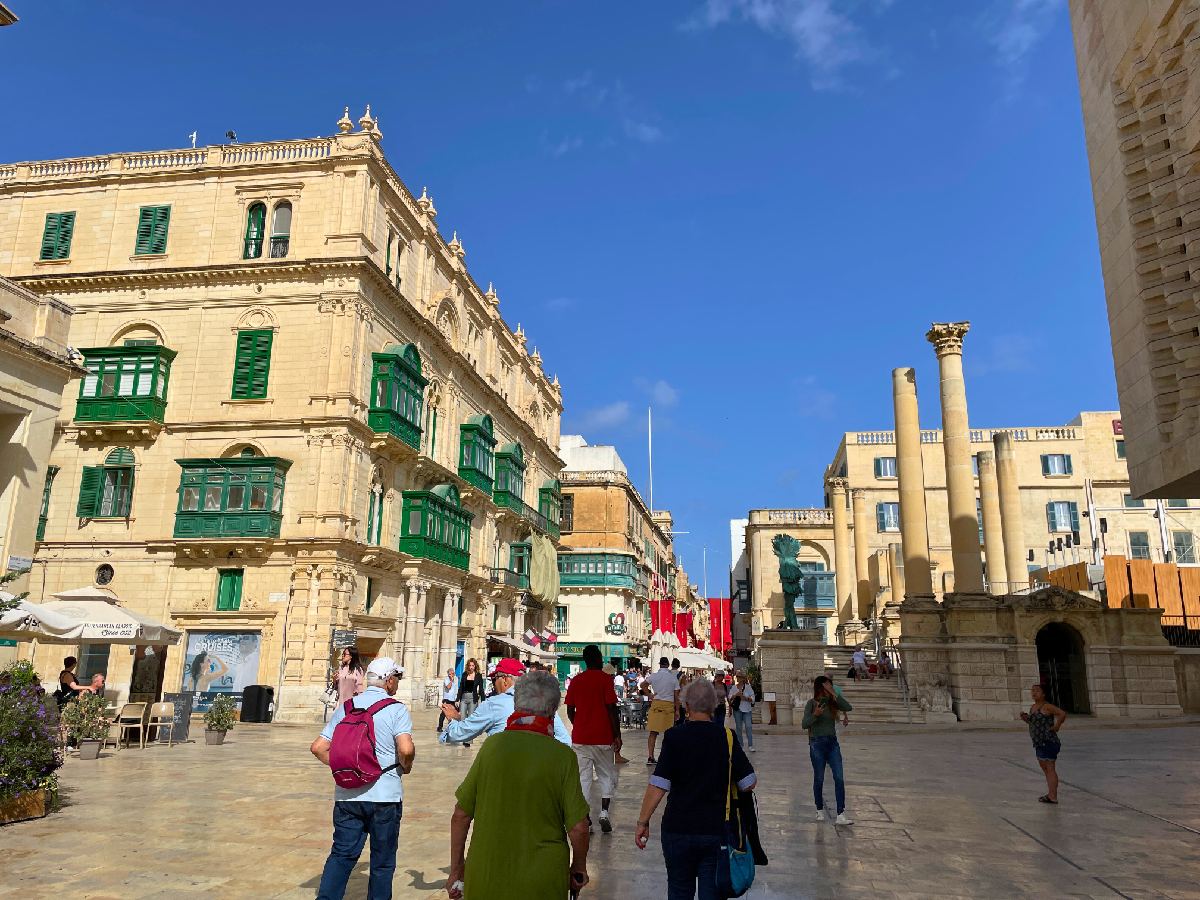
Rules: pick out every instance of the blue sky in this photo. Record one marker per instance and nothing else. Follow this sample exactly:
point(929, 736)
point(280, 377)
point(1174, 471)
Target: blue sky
point(744, 212)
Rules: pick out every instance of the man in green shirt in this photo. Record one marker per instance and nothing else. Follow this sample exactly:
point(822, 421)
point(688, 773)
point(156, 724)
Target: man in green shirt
point(523, 796)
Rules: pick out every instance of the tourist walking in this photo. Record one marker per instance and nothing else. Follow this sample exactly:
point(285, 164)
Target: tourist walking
point(491, 716)
point(662, 689)
point(374, 808)
point(470, 691)
point(350, 678)
point(741, 700)
point(522, 804)
point(823, 750)
point(1044, 720)
point(449, 695)
point(721, 693)
point(693, 770)
point(595, 731)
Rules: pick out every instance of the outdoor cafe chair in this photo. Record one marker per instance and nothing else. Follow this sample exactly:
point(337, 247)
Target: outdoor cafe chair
point(131, 716)
point(162, 715)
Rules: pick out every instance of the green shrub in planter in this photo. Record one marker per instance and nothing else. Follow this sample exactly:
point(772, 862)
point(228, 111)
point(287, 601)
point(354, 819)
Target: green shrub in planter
point(29, 745)
point(84, 717)
point(221, 715)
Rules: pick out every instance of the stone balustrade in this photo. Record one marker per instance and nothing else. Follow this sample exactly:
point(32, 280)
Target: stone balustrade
point(811, 516)
point(978, 435)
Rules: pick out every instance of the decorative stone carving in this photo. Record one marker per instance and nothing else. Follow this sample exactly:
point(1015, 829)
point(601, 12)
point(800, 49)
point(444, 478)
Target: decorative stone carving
point(344, 125)
point(947, 337)
point(1057, 598)
point(933, 696)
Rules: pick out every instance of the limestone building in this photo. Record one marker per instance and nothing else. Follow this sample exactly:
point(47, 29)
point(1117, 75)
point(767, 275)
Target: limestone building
point(1135, 60)
point(619, 575)
point(34, 367)
point(300, 415)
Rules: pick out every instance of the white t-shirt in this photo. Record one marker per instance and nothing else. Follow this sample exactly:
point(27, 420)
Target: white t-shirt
point(859, 658)
point(744, 696)
point(664, 684)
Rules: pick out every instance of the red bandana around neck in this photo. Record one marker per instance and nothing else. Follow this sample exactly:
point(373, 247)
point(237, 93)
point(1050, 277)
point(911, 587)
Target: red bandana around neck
point(520, 721)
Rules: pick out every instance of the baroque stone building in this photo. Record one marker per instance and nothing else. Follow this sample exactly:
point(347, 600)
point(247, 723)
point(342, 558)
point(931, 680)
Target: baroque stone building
point(1136, 61)
point(300, 414)
point(620, 576)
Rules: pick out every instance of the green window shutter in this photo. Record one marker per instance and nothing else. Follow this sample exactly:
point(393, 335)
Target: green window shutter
point(1074, 507)
point(152, 230)
point(229, 589)
point(90, 487)
point(252, 364)
point(370, 593)
point(1067, 463)
point(880, 522)
point(878, 466)
point(1045, 464)
point(56, 238)
point(1050, 524)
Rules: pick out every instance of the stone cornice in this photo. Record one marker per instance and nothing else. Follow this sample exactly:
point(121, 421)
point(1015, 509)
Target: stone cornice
point(40, 356)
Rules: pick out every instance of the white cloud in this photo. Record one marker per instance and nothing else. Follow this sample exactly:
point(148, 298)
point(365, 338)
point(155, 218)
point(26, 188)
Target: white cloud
point(1004, 354)
point(824, 38)
point(560, 304)
point(661, 393)
point(610, 101)
point(642, 131)
point(607, 416)
point(1017, 31)
point(565, 146)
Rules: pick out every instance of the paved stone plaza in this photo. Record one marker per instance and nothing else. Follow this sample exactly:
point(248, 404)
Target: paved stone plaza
point(938, 815)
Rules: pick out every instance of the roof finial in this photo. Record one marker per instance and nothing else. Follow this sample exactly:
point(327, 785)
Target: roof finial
point(519, 334)
point(426, 204)
point(345, 126)
point(490, 295)
point(456, 246)
point(537, 359)
point(365, 123)
point(555, 383)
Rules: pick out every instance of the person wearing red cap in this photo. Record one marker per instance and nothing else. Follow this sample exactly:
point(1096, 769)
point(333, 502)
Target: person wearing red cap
point(491, 716)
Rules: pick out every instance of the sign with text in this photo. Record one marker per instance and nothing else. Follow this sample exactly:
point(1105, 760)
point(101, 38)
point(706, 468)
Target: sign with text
point(19, 564)
point(344, 637)
point(220, 662)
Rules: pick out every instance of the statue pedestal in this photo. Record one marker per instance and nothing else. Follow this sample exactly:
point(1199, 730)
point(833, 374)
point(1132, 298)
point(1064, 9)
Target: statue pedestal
point(790, 660)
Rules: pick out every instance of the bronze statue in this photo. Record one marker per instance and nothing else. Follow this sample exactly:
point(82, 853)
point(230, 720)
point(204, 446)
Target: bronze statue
point(786, 548)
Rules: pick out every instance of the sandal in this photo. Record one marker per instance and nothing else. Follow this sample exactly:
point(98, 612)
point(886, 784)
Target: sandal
point(1045, 798)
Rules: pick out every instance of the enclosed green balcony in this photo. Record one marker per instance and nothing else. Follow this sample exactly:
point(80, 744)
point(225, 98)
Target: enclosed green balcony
point(238, 496)
point(509, 490)
point(397, 394)
point(597, 570)
point(476, 453)
point(124, 384)
point(435, 526)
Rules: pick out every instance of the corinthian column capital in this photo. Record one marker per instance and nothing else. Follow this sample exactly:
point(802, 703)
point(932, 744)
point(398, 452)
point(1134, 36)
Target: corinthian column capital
point(858, 494)
point(947, 337)
point(837, 485)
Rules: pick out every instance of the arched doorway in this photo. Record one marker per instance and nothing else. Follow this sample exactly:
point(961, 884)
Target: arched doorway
point(1061, 667)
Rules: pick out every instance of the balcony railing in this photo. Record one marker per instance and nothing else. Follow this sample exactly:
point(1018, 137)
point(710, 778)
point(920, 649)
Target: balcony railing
point(1181, 631)
point(816, 591)
point(242, 523)
point(509, 500)
point(510, 578)
point(978, 435)
point(279, 246)
point(120, 409)
point(597, 570)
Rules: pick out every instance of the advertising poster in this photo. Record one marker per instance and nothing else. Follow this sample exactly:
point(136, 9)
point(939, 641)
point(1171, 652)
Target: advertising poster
point(220, 662)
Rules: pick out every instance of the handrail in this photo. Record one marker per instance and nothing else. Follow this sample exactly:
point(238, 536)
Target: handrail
point(892, 649)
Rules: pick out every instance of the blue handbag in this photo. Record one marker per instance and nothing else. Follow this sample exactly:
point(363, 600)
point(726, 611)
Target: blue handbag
point(735, 866)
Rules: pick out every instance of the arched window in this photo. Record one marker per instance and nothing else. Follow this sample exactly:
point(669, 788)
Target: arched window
point(281, 230)
point(256, 226)
point(107, 491)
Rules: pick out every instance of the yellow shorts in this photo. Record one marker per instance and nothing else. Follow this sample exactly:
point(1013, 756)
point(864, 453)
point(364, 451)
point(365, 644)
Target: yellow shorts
point(661, 717)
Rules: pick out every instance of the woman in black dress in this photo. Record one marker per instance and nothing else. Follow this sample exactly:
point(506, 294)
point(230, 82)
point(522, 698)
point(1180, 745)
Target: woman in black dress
point(1044, 720)
point(470, 690)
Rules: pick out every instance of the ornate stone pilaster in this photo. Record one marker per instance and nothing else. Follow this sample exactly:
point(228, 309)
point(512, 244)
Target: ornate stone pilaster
point(910, 473)
point(845, 581)
point(947, 340)
point(449, 630)
point(414, 622)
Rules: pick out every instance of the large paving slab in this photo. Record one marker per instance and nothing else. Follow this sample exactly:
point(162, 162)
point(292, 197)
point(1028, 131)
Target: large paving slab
point(938, 815)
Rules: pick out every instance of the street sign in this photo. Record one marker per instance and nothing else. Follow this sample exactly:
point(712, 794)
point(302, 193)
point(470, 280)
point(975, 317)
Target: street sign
point(344, 637)
point(19, 563)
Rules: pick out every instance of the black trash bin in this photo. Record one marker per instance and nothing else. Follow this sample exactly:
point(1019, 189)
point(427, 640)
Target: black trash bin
point(257, 703)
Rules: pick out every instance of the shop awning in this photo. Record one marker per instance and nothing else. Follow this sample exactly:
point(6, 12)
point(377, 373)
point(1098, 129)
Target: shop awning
point(694, 659)
point(105, 622)
point(523, 648)
point(28, 621)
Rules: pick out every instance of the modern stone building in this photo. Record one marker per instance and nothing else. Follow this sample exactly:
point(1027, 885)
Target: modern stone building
point(1136, 60)
point(618, 570)
point(34, 367)
point(300, 414)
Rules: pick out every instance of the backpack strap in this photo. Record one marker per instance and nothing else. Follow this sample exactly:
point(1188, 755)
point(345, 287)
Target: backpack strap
point(379, 705)
point(729, 782)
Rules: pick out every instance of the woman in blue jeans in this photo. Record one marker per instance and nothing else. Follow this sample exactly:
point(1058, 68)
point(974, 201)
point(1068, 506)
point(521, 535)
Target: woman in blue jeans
point(820, 720)
point(741, 704)
point(693, 771)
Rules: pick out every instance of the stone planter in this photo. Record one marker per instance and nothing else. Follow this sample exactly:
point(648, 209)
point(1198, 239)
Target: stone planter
point(214, 737)
point(89, 749)
point(23, 806)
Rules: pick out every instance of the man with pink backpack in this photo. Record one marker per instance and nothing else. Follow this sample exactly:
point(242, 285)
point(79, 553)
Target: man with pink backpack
point(368, 745)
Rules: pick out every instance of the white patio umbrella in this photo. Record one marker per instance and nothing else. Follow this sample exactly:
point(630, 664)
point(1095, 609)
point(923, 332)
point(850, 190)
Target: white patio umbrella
point(27, 621)
point(104, 622)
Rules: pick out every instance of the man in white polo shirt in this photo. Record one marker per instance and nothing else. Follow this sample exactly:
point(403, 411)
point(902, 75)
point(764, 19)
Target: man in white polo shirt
point(663, 690)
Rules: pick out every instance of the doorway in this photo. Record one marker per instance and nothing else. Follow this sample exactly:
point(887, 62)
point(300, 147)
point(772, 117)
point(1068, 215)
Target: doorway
point(1061, 667)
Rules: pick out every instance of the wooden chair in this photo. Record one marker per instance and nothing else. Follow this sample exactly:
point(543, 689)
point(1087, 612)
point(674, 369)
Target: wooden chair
point(162, 715)
point(131, 716)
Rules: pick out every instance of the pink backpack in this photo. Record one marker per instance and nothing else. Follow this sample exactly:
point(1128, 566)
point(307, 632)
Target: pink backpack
point(352, 750)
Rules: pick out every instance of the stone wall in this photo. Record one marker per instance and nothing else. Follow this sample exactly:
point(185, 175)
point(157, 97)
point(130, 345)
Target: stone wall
point(790, 660)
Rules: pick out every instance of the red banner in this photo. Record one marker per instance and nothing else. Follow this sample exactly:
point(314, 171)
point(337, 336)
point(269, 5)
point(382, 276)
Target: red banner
point(720, 631)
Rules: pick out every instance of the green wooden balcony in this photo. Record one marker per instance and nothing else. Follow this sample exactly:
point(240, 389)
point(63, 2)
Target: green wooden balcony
point(124, 384)
point(238, 496)
point(227, 524)
point(597, 570)
point(435, 526)
point(508, 500)
point(512, 579)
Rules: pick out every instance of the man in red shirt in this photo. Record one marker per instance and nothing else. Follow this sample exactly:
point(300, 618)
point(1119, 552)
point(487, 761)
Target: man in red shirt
point(596, 730)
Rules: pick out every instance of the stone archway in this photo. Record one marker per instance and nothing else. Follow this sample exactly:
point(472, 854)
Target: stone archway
point(1062, 668)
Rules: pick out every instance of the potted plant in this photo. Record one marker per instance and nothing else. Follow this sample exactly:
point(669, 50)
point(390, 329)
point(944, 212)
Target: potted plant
point(84, 717)
point(30, 751)
point(219, 719)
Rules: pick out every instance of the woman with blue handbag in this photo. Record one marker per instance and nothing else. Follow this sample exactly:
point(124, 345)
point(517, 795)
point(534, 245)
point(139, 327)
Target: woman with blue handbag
point(697, 845)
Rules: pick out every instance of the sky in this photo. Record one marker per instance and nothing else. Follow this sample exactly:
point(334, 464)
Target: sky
point(742, 213)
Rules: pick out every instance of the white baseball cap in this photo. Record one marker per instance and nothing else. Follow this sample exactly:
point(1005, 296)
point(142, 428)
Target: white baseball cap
point(384, 667)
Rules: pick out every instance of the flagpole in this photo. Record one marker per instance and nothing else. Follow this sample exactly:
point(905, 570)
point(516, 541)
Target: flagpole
point(650, 451)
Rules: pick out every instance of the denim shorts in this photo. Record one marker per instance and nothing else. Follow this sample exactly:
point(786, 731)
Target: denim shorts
point(1047, 751)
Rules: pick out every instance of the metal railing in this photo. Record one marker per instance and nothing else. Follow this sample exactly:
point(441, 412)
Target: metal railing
point(1181, 631)
point(892, 650)
point(510, 578)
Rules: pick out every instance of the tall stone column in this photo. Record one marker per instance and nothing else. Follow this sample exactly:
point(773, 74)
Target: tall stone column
point(1011, 525)
point(866, 598)
point(518, 619)
point(412, 639)
point(910, 474)
point(895, 560)
point(947, 340)
point(419, 641)
point(845, 581)
point(993, 535)
point(449, 631)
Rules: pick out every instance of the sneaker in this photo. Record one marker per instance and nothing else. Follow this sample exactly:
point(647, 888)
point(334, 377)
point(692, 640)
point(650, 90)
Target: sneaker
point(466, 743)
point(651, 761)
point(843, 819)
point(751, 748)
point(820, 815)
point(605, 823)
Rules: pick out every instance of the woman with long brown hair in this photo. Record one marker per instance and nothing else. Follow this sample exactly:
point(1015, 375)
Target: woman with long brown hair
point(470, 690)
